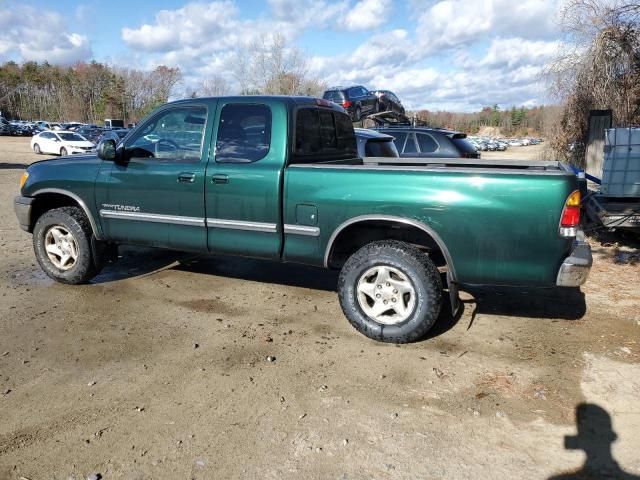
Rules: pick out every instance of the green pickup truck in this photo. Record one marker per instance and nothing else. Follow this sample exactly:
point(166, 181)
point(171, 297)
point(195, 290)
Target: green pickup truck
point(279, 178)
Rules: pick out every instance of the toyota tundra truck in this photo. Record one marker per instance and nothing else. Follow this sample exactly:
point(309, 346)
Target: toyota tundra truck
point(279, 178)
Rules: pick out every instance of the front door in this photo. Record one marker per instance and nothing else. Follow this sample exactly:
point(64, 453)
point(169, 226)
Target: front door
point(244, 177)
point(155, 195)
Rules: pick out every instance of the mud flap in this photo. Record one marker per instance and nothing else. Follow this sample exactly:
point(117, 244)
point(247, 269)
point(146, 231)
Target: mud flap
point(103, 252)
point(453, 295)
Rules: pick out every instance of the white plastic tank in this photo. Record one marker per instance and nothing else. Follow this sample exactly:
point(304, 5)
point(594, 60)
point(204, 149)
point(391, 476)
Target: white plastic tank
point(621, 170)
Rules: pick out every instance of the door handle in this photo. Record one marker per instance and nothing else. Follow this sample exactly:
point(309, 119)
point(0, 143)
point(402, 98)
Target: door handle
point(186, 177)
point(219, 179)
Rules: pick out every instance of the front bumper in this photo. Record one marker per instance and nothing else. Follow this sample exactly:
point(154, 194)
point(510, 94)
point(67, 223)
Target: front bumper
point(22, 207)
point(575, 268)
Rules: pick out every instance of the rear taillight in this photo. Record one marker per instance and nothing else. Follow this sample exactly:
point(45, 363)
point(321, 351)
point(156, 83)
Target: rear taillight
point(346, 104)
point(570, 219)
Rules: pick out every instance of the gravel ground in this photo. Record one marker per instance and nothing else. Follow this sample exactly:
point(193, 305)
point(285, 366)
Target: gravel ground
point(159, 369)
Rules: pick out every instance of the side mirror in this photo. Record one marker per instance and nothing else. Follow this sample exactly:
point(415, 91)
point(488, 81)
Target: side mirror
point(106, 150)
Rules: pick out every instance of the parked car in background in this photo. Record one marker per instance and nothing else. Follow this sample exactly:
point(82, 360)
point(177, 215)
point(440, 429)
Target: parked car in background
point(372, 143)
point(389, 101)
point(90, 132)
point(431, 142)
point(61, 143)
point(356, 100)
point(115, 134)
point(5, 127)
point(71, 126)
point(110, 123)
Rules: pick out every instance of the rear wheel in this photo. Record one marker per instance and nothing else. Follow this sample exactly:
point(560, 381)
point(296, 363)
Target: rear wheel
point(36, 148)
point(62, 244)
point(390, 291)
point(358, 113)
point(63, 152)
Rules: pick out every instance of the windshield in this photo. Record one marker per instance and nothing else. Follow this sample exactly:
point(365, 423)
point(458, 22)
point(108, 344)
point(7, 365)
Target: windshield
point(72, 137)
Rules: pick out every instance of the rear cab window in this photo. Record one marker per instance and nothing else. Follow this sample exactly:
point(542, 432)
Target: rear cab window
point(322, 135)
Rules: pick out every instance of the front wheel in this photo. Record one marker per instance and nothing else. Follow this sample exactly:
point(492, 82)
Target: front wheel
point(63, 152)
point(390, 291)
point(62, 244)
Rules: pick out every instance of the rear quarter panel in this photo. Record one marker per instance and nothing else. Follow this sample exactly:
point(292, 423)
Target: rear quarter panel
point(499, 228)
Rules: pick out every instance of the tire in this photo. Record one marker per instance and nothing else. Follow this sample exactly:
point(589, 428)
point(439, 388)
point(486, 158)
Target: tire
point(36, 148)
point(376, 107)
point(64, 221)
point(63, 152)
point(358, 114)
point(402, 260)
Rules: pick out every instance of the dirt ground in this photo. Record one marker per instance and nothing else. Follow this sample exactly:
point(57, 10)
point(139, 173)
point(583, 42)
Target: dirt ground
point(158, 370)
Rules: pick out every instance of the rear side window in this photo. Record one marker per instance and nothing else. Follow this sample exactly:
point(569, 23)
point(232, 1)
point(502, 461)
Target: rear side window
point(398, 138)
point(426, 143)
point(323, 135)
point(244, 133)
point(410, 146)
point(381, 149)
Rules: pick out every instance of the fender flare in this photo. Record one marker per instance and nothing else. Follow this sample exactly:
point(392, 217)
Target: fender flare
point(390, 218)
point(78, 200)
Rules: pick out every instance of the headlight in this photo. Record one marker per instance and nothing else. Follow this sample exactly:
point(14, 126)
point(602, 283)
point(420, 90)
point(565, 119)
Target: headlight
point(23, 179)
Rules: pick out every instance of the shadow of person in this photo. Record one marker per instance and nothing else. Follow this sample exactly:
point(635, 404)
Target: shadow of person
point(595, 436)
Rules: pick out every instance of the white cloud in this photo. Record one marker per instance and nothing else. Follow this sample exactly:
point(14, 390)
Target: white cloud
point(27, 33)
point(513, 52)
point(452, 54)
point(303, 13)
point(191, 26)
point(452, 23)
point(366, 14)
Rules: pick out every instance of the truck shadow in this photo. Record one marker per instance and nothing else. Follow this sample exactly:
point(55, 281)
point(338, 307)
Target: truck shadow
point(13, 166)
point(556, 303)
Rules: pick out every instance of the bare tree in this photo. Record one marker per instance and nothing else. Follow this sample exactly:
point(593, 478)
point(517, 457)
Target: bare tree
point(268, 66)
point(600, 69)
point(213, 86)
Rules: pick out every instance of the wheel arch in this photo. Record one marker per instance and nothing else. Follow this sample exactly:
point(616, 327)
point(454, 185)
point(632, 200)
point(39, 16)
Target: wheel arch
point(49, 198)
point(389, 227)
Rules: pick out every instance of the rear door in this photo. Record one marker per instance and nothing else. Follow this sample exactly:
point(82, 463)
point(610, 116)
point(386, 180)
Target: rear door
point(244, 177)
point(155, 197)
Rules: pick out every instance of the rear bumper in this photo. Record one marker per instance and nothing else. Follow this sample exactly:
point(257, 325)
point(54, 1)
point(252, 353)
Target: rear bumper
point(22, 207)
point(575, 268)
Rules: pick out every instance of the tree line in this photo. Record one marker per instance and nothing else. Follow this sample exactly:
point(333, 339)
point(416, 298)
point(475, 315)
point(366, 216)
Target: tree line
point(84, 92)
point(511, 122)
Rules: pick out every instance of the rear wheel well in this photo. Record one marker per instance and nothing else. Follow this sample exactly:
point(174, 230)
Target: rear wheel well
point(48, 201)
point(355, 236)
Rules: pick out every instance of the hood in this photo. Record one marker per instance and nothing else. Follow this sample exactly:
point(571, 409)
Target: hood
point(74, 174)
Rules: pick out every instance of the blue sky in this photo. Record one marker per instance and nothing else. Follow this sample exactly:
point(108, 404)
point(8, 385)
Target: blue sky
point(437, 54)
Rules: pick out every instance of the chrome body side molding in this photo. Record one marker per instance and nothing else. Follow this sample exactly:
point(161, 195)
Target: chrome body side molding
point(302, 230)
